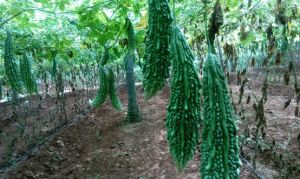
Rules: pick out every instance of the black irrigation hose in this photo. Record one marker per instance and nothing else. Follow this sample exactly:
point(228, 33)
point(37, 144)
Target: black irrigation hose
point(37, 147)
point(247, 163)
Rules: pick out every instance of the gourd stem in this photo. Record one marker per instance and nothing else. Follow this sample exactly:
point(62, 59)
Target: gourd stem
point(206, 26)
point(174, 13)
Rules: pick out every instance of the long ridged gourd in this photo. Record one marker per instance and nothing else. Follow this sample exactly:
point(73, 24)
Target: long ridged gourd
point(183, 115)
point(133, 111)
point(27, 75)
point(1, 90)
point(219, 148)
point(157, 60)
point(54, 68)
point(103, 90)
point(115, 101)
point(105, 57)
point(11, 67)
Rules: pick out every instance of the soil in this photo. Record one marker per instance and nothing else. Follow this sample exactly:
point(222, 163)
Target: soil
point(39, 112)
point(103, 145)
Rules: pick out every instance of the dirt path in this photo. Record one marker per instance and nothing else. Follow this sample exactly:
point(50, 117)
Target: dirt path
point(101, 145)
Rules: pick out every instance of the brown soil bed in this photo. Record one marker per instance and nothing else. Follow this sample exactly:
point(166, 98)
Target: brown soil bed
point(102, 145)
point(35, 118)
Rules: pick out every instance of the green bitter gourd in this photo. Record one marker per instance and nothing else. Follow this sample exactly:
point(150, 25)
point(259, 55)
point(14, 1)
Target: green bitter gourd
point(183, 115)
point(11, 68)
point(103, 90)
point(219, 148)
point(1, 90)
point(133, 112)
point(107, 84)
point(27, 75)
point(54, 68)
point(105, 57)
point(115, 101)
point(157, 60)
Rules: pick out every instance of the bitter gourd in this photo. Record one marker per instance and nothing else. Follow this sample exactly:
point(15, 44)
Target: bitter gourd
point(219, 148)
point(115, 101)
point(27, 76)
point(157, 62)
point(105, 57)
point(183, 115)
point(11, 67)
point(103, 89)
point(1, 90)
point(133, 112)
point(107, 84)
point(54, 68)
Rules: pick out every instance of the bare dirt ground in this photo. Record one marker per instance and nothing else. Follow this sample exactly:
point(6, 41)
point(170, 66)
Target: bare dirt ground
point(102, 145)
point(41, 113)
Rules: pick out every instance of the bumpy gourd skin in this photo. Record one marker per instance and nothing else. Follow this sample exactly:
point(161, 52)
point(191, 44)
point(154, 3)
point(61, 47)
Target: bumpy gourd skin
point(105, 57)
point(219, 148)
point(183, 115)
point(157, 62)
point(54, 68)
point(27, 76)
point(115, 101)
point(1, 89)
point(107, 87)
point(11, 68)
point(103, 89)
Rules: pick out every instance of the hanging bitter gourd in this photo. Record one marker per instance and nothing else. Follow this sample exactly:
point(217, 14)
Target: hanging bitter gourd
point(115, 101)
point(1, 90)
point(133, 112)
point(183, 117)
point(157, 60)
point(219, 148)
point(11, 68)
point(54, 68)
point(27, 75)
point(105, 57)
point(103, 90)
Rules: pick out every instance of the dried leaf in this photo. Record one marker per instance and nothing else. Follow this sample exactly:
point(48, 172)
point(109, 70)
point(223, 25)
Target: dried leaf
point(287, 103)
point(286, 78)
point(278, 58)
point(248, 99)
point(297, 111)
